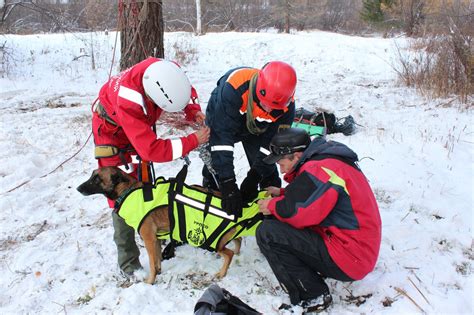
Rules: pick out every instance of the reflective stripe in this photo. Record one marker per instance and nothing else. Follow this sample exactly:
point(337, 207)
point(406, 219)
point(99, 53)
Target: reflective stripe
point(222, 148)
point(177, 147)
point(257, 118)
point(132, 96)
point(263, 119)
point(199, 205)
point(135, 159)
point(335, 179)
point(264, 151)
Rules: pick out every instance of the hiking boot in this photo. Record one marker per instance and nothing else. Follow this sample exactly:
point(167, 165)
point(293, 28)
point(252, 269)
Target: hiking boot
point(129, 276)
point(316, 305)
point(130, 268)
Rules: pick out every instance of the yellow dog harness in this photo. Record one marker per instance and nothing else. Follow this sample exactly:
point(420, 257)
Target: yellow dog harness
point(196, 217)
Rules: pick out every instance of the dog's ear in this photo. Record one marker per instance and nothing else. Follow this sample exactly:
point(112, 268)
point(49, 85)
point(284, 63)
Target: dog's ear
point(119, 177)
point(116, 182)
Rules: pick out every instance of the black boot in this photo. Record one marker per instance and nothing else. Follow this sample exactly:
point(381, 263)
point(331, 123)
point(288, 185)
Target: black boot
point(168, 252)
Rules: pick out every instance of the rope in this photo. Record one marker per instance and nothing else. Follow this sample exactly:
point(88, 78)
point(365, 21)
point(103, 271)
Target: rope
point(205, 156)
point(90, 134)
point(140, 16)
point(57, 167)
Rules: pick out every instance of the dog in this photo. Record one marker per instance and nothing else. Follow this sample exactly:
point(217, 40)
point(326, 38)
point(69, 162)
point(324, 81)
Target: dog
point(114, 184)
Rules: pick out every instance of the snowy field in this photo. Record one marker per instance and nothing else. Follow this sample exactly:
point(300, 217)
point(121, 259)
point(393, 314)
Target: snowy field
point(56, 249)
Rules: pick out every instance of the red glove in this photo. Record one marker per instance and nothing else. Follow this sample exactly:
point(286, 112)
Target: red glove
point(192, 108)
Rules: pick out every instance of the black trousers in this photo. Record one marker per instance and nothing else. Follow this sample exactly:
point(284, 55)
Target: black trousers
point(299, 259)
point(251, 146)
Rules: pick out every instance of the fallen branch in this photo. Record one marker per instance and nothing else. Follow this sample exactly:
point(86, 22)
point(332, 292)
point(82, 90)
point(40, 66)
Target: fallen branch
point(169, 283)
point(40, 230)
point(405, 216)
point(77, 58)
point(404, 293)
point(419, 291)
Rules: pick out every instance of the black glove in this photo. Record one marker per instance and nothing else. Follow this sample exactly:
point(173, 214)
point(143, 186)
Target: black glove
point(272, 180)
point(231, 198)
point(249, 187)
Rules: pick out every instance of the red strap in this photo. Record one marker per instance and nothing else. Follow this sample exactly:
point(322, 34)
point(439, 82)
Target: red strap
point(145, 171)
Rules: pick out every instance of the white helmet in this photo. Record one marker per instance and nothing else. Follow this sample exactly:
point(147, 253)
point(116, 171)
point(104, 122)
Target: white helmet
point(167, 85)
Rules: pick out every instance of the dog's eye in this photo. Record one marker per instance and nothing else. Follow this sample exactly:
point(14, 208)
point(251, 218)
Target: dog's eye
point(96, 179)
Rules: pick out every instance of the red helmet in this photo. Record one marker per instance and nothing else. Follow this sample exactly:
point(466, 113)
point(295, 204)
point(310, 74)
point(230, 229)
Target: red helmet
point(276, 85)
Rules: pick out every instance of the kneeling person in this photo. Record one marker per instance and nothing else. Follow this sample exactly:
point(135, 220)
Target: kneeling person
point(327, 222)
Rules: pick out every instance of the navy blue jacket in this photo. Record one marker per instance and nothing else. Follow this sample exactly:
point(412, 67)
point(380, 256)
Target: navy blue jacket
point(226, 116)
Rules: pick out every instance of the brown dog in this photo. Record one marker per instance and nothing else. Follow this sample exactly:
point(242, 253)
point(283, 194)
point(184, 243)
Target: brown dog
point(112, 182)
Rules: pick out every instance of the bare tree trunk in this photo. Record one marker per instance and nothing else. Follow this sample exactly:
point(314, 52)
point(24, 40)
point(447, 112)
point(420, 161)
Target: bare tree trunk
point(198, 18)
point(141, 36)
point(287, 17)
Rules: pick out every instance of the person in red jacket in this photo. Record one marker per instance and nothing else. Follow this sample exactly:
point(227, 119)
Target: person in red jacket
point(326, 222)
point(124, 116)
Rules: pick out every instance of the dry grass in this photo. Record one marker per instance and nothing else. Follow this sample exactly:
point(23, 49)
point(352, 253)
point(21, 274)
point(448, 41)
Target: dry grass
point(442, 66)
point(183, 52)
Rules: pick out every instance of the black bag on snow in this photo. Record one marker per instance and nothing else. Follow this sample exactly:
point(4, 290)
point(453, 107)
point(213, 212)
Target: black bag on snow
point(218, 301)
point(322, 119)
point(345, 125)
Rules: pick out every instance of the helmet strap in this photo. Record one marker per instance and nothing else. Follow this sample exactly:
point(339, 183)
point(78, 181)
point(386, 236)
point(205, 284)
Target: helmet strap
point(251, 124)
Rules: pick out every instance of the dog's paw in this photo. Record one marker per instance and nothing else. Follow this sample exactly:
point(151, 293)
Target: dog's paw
point(219, 276)
point(150, 280)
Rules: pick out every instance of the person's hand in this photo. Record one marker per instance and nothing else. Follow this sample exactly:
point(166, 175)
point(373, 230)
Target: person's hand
point(199, 117)
point(263, 206)
point(203, 135)
point(231, 198)
point(249, 187)
point(273, 191)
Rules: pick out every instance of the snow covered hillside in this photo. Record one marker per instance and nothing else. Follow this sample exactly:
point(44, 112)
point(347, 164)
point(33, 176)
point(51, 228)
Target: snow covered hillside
point(56, 249)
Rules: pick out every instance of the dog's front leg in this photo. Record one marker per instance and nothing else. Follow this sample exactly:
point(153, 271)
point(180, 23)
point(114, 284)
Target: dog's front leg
point(227, 254)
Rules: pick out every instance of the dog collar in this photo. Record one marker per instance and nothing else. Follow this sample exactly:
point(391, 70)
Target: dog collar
point(121, 198)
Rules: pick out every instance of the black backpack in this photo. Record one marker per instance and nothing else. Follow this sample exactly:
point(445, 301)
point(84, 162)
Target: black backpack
point(218, 301)
point(345, 125)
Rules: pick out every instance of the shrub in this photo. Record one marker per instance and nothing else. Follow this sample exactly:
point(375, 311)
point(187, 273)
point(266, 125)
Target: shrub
point(443, 65)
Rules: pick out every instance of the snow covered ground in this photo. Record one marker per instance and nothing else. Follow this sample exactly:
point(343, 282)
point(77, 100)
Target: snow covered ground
point(56, 249)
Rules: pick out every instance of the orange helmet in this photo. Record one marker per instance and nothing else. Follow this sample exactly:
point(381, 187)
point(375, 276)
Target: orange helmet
point(276, 84)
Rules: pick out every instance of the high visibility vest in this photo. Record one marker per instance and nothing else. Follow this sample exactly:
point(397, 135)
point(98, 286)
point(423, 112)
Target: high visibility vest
point(196, 217)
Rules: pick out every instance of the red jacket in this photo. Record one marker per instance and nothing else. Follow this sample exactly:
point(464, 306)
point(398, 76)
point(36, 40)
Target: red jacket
point(124, 100)
point(330, 195)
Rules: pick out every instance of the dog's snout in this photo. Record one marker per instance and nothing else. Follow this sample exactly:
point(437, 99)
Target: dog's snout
point(82, 188)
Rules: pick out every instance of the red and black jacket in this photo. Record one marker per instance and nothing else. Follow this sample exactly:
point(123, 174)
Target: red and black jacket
point(329, 194)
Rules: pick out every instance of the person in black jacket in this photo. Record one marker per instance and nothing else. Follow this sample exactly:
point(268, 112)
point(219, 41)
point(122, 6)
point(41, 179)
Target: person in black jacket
point(248, 105)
